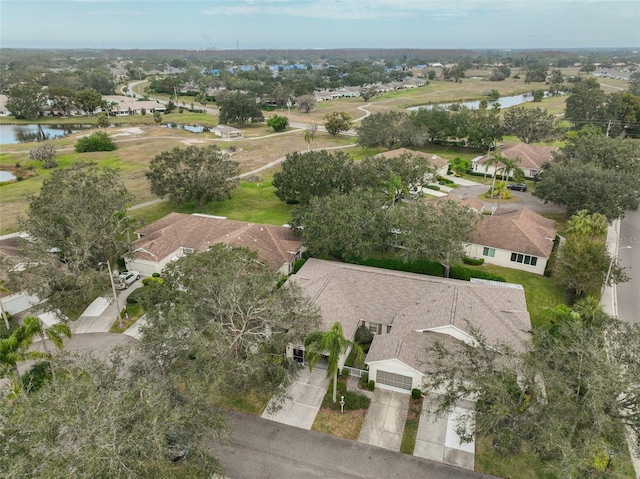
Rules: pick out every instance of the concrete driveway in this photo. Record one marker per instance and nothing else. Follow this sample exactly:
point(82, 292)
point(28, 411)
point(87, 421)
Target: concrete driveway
point(438, 441)
point(384, 423)
point(305, 399)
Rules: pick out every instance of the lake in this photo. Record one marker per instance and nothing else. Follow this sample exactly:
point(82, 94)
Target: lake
point(191, 128)
point(503, 102)
point(11, 134)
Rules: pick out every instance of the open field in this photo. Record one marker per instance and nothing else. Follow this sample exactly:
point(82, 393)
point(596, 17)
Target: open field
point(136, 148)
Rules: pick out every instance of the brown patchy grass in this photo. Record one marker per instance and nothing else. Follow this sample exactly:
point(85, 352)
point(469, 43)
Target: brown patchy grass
point(135, 152)
point(346, 425)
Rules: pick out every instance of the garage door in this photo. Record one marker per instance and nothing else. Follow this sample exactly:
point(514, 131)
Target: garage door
point(395, 380)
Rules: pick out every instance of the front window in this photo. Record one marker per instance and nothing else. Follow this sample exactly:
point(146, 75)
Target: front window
point(524, 259)
point(490, 252)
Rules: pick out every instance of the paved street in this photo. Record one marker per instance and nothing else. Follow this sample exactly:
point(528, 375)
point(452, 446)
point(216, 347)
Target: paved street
point(629, 293)
point(524, 199)
point(262, 449)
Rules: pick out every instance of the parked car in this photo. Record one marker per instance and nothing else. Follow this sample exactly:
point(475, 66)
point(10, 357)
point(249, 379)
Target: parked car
point(517, 186)
point(127, 278)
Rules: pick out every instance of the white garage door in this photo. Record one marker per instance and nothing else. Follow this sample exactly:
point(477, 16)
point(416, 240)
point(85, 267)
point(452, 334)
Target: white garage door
point(395, 380)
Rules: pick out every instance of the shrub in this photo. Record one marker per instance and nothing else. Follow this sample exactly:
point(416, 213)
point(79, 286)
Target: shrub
point(473, 261)
point(433, 187)
point(372, 385)
point(146, 281)
point(98, 141)
point(155, 275)
point(298, 264)
point(460, 272)
point(363, 335)
point(416, 394)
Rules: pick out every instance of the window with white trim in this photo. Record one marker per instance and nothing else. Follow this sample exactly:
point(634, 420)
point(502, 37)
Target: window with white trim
point(524, 259)
point(490, 252)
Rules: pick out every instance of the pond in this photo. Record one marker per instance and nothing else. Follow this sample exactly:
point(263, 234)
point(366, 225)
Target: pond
point(10, 134)
point(191, 128)
point(6, 176)
point(503, 102)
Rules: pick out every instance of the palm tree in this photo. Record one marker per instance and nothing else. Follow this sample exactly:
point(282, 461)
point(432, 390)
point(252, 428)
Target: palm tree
point(15, 349)
point(495, 160)
point(510, 167)
point(333, 343)
point(53, 333)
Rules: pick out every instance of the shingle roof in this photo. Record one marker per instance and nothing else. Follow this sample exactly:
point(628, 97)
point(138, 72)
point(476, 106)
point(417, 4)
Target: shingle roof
point(521, 231)
point(435, 160)
point(468, 201)
point(531, 156)
point(410, 302)
point(275, 245)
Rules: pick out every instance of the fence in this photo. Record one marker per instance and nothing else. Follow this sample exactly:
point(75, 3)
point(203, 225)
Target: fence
point(355, 372)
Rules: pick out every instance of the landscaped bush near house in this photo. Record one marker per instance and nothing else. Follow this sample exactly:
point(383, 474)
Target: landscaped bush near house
point(371, 385)
point(135, 295)
point(473, 261)
point(433, 187)
point(298, 264)
point(416, 393)
point(155, 275)
point(420, 266)
point(352, 400)
point(444, 181)
point(98, 141)
point(460, 272)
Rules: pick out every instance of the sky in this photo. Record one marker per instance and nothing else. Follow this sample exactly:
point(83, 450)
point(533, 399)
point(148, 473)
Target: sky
point(296, 24)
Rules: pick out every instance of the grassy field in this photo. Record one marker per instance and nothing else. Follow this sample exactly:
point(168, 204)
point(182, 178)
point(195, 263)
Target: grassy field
point(138, 145)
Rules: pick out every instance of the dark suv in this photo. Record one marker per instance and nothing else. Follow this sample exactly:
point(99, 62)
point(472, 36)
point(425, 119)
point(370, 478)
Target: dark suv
point(517, 186)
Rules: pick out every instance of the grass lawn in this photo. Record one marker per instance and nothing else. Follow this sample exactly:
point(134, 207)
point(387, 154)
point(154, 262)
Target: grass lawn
point(411, 426)
point(134, 311)
point(247, 402)
point(251, 202)
point(345, 424)
point(526, 466)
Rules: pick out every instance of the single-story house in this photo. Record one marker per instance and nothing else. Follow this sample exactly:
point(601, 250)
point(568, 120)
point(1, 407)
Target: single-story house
point(408, 312)
point(513, 238)
point(440, 164)
point(224, 131)
point(123, 105)
point(178, 234)
point(532, 158)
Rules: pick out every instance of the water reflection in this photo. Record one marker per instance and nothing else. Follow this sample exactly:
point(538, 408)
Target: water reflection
point(191, 128)
point(502, 102)
point(35, 132)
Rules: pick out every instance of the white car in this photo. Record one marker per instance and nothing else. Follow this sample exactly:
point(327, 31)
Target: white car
point(127, 278)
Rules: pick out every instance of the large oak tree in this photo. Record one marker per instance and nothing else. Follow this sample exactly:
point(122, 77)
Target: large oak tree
point(199, 174)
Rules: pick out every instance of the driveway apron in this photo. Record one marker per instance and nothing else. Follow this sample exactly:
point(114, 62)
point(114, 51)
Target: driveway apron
point(437, 439)
point(384, 423)
point(304, 401)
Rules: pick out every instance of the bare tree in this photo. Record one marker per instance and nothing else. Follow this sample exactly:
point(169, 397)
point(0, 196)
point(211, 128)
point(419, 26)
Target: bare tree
point(45, 153)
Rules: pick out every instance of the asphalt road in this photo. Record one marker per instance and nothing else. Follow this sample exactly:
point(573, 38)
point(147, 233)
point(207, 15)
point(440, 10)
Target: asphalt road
point(268, 450)
point(523, 199)
point(629, 292)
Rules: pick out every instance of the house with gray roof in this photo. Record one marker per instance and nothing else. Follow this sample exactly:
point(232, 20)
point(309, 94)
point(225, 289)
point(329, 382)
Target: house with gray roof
point(178, 234)
point(409, 312)
point(532, 159)
point(513, 238)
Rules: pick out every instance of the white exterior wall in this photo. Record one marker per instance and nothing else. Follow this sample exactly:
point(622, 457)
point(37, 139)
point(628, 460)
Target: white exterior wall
point(503, 258)
point(147, 267)
point(397, 367)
